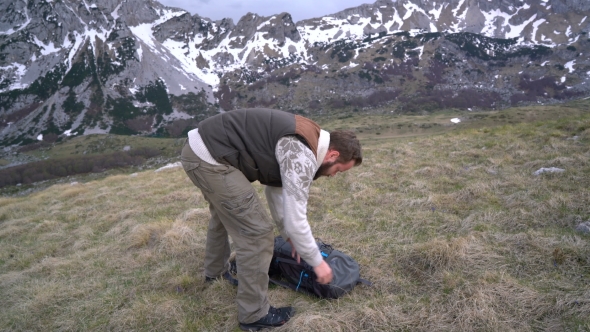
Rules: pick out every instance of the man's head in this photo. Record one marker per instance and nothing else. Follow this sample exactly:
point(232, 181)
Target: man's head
point(343, 153)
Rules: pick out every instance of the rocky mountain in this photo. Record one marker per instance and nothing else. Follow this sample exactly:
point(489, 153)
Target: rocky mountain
point(138, 67)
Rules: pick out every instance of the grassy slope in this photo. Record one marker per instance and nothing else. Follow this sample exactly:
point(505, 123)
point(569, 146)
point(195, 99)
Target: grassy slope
point(453, 229)
point(100, 144)
point(93, 145)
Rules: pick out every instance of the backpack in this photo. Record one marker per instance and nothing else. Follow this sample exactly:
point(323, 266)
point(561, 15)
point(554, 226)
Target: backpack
point(300, 277)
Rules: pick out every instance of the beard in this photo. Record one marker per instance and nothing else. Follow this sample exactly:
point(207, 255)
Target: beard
point(323, 170)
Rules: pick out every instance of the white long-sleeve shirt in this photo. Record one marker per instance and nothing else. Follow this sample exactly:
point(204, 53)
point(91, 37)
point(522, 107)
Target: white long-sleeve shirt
point(288, 204)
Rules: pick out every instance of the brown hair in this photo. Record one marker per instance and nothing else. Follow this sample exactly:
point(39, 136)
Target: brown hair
point(349, 147)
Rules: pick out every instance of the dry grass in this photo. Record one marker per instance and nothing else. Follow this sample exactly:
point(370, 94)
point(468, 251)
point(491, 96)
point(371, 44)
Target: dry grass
point(454, 231)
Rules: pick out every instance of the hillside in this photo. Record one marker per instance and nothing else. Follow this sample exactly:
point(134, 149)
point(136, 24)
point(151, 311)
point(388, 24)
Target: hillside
point(453, 228)
point(79, 158)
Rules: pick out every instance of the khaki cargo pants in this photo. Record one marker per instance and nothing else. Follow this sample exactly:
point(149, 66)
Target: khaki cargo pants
point(235, 210)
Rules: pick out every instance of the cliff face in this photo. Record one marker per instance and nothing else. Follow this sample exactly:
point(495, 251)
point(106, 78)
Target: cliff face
point(137, 67)
point(80, 68)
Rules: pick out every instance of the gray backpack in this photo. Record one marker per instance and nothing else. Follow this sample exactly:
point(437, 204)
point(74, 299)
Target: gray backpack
point(286, 272)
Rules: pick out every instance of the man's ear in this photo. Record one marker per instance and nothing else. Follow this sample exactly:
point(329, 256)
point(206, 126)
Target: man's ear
point(332, 156)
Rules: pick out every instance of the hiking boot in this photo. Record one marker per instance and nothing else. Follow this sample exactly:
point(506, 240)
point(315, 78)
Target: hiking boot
point(275, 317)
point(227, 276)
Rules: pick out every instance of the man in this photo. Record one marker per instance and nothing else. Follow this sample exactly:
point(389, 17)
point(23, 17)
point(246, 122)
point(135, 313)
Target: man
point(283, 151)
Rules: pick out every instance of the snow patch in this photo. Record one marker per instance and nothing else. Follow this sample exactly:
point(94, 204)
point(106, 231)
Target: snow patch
point(115, 13)
point(19, 70)
point(455, 120)
point(46, 49)
point(536, 27)
point(456, 10)
point(169, 166)
point(435, 13)
point(570, 66)
point(421, 50)
point(265, 23)
point(548, 170)
point(411, 8)
point(516, 30)
point(139, 52)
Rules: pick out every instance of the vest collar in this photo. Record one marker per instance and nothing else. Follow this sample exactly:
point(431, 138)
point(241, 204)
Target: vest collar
point(323, 144)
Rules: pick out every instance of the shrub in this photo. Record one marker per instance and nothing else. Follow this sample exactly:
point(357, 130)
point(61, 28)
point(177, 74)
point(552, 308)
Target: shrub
point(142, 123)
point(375, 99)
point(225, 95)
point(71, 106)
point(436, 71)
point(314, 105)
point(157, 94)
point(53, 169)
point(365, 75)
point(546, 86)
point(181, 127)
point(121, 109)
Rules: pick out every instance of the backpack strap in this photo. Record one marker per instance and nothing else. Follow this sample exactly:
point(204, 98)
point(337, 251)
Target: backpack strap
point(287, 260)
point(364, 282)
point(303, 263)
point(283, 284)
point(291, 286)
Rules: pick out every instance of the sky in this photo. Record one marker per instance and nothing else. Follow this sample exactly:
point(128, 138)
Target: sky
point(235, 9)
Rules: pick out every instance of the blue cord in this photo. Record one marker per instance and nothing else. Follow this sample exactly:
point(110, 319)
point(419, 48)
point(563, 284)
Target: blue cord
point(300, 277)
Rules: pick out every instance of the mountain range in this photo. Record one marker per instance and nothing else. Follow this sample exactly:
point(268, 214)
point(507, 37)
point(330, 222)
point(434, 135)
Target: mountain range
point(138, 67)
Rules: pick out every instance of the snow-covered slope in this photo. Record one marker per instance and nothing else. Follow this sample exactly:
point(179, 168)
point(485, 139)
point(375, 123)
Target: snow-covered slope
point(133, 66)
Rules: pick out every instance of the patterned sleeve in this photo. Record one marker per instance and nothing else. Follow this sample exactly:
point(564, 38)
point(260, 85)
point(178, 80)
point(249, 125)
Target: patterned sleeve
point(298, 166)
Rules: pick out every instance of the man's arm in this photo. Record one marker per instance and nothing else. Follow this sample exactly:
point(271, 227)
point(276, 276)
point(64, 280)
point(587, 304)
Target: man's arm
point(298, 166)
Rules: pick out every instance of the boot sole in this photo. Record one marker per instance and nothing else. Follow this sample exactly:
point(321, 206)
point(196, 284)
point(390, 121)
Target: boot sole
point(258, 327)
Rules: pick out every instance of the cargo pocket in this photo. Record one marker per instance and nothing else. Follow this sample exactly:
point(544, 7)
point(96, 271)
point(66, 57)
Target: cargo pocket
point(247, 212)
point(192, 170)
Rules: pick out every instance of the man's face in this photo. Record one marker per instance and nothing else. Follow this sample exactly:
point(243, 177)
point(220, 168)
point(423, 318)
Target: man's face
point(331, 168)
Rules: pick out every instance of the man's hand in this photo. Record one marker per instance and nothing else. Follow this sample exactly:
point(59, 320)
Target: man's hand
point(294, 253)
point(323, 272)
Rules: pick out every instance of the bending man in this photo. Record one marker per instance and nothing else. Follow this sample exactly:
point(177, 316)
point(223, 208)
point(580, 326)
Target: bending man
point(283, 151)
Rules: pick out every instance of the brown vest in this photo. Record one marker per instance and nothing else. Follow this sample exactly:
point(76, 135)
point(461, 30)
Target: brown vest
point(246, 139)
